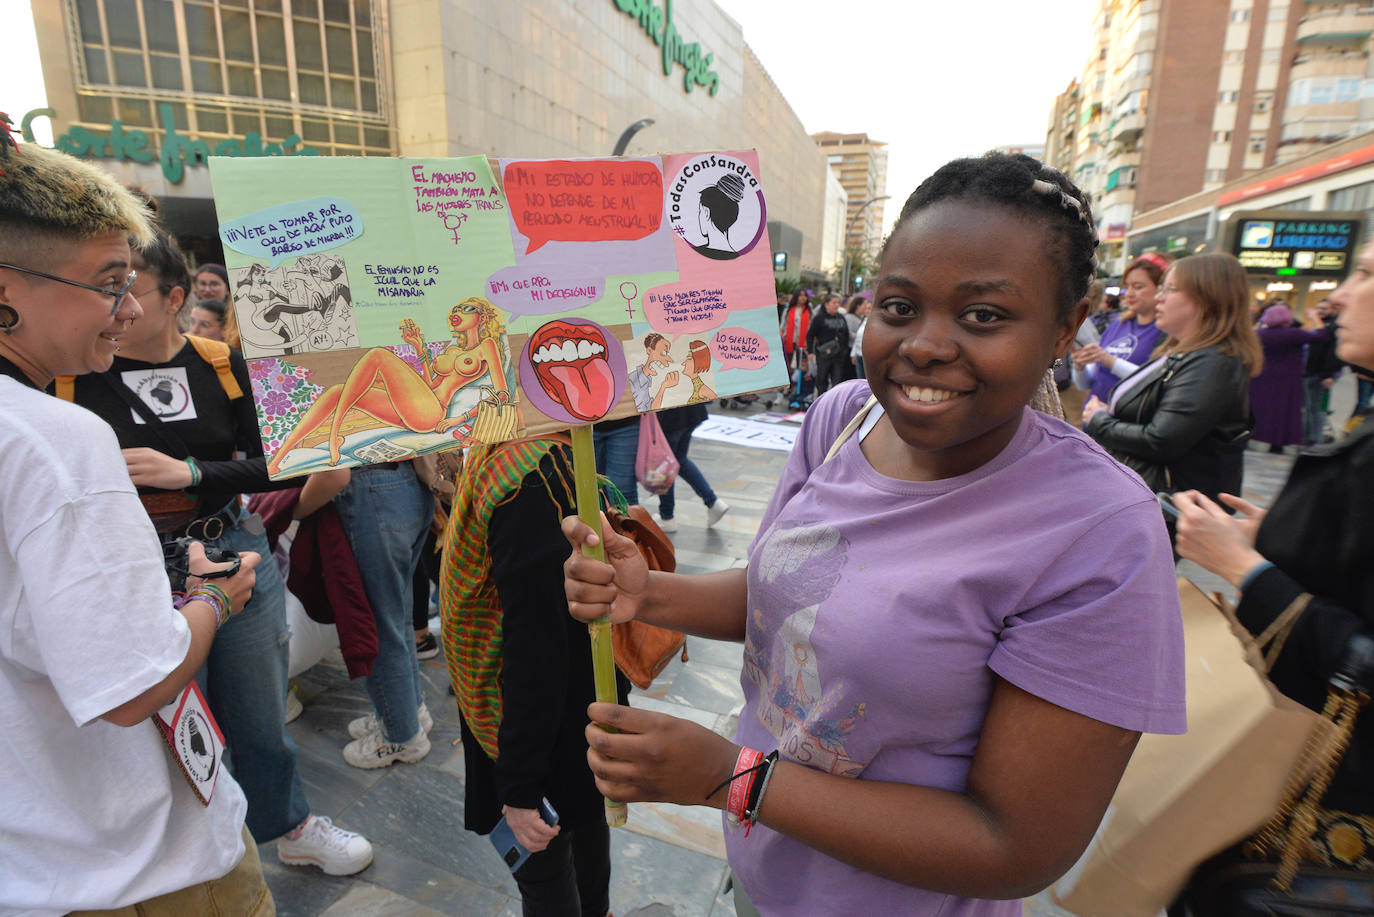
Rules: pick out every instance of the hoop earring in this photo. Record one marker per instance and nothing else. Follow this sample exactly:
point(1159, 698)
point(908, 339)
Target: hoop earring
point(9, 318)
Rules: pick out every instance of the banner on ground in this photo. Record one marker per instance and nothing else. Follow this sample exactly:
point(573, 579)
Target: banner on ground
point(394, 307)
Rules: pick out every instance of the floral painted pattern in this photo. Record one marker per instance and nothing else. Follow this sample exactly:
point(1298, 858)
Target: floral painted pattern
point(283, 392)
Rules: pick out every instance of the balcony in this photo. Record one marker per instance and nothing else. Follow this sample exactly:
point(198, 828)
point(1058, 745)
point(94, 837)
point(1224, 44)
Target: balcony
point(1128, 128)
point(1332, 63)
point(1336, 25)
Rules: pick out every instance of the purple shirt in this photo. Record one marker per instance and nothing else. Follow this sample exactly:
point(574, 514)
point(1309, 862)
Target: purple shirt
point(1127, 340)
point(882, 611)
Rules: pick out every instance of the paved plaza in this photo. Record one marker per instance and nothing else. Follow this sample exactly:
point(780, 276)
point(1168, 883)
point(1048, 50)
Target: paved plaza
point(669, 860)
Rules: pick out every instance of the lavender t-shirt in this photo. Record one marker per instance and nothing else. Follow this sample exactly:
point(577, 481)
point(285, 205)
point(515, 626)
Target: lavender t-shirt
point(881, 611)
point(1128, 340)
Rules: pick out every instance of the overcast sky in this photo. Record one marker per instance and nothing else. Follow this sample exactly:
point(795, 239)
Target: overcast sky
point(935, 80)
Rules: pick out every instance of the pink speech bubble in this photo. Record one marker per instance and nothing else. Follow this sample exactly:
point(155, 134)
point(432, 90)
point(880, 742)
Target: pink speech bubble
point(739, 347)
point(521, 291)
point(685, 308)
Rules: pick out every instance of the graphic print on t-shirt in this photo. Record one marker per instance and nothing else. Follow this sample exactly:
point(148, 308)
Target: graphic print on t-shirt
point(165, 391)
point(1122, 347)
point(810, 719)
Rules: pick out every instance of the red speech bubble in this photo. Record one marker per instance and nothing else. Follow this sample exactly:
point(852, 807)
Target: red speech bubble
point(590, 200)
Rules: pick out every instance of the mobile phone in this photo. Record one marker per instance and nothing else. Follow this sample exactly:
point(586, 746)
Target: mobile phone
point(1166, 503)
point(513, 854)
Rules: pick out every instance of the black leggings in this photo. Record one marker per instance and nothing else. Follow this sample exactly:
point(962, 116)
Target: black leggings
point(426, 572)
point(569, 878)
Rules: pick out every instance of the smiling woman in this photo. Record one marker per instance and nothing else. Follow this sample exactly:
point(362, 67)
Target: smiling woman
point(983, 697)
point(99, 648)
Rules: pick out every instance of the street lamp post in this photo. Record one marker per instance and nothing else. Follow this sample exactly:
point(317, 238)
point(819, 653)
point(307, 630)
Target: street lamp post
point(844, 275)
point(628, 133)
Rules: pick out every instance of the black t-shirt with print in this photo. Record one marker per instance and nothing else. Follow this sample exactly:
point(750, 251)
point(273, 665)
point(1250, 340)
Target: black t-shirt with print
point(186, 395)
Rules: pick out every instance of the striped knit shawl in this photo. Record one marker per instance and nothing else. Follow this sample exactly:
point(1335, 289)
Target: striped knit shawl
point(469, 605)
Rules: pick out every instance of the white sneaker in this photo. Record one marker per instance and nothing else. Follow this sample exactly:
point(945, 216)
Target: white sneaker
point(324, 844)
point(715, 511)
point(366, 724)
point(373, 751)
point(294, 707)
point(668, 525)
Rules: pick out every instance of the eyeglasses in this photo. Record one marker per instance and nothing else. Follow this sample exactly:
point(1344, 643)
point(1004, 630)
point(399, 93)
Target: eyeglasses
point(117, 294)
point(1168, 288)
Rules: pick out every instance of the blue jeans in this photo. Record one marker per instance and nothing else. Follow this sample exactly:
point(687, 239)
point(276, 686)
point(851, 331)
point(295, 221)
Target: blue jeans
point(244, 680)
point(385, 513)
point(688, 472)
point(615, 458)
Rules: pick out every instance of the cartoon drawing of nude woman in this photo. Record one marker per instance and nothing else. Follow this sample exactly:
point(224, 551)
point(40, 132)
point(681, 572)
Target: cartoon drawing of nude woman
point(718, 211)
point(383, 386)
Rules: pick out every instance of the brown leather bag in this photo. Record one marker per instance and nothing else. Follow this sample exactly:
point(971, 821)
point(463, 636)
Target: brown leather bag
point(642, 650)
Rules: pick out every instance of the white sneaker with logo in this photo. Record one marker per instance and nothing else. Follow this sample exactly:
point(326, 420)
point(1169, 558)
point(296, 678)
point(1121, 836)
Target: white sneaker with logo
point(324, 844)
point(365, 724)
point(372, 750)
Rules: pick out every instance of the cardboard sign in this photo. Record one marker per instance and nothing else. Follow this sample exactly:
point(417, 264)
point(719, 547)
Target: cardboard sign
point(395, 307)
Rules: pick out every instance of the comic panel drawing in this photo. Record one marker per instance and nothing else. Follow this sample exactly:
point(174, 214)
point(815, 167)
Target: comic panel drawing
point(668, 374)
point(465, 388)
point(304, 308)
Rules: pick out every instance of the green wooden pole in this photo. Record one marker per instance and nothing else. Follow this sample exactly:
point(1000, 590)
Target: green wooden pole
point(589, 511)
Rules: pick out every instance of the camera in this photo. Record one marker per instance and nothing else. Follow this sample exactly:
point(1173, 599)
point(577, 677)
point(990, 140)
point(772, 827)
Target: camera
point(176, 558)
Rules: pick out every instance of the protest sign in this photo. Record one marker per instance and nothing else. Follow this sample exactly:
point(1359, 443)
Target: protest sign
point(394, 307)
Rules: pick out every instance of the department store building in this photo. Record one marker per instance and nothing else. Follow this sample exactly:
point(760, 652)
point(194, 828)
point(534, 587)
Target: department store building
point(152, 88)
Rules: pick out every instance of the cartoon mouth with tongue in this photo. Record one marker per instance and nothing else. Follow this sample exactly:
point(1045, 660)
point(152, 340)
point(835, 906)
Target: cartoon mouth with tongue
point(572, 364)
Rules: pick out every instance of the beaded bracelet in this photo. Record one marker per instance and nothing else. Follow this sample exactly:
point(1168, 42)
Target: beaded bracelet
point(216, 598)
point(195, 471)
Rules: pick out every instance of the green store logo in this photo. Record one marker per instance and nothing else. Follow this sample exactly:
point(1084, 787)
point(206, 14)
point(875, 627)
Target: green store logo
point(178, 151)
point(657, 23)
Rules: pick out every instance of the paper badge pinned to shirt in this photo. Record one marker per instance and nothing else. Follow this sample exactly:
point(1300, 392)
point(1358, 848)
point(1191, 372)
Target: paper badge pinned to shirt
point(165, 391)
point(194, 739)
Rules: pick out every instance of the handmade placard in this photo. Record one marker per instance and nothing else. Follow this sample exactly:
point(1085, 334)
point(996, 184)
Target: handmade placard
point(395, 307)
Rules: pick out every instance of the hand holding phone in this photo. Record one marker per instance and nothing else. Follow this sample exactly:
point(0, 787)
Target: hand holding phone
point(1166, 503)
point(503, 838)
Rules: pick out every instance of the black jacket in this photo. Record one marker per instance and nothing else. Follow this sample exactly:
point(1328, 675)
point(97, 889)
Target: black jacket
point(1320, 536)
point(1185, 426)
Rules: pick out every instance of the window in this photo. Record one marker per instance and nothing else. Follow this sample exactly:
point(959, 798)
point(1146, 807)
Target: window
point(1257, 142)
point(1233, 57)
point(1240, 15)
point(1228, 97)
point(1263, 102)
point(1221, 137)
point(235, 48)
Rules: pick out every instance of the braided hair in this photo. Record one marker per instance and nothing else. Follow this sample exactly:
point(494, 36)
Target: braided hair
point(1032, 189)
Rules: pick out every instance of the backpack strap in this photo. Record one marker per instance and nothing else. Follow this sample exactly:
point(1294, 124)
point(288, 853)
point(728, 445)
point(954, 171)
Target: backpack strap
point(65, 387)
point(849, 428)
point(216, 353)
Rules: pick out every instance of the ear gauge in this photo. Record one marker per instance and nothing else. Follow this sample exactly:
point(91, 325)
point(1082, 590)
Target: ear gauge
point(9, 318)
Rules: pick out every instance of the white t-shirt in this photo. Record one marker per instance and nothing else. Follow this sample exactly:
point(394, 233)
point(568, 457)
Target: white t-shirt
point(92, 815)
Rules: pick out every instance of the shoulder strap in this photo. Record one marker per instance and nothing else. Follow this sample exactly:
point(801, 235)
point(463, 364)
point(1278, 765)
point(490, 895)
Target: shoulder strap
point(850, 427)
point(216, 353)
point(65, 388)
point(175, 447)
